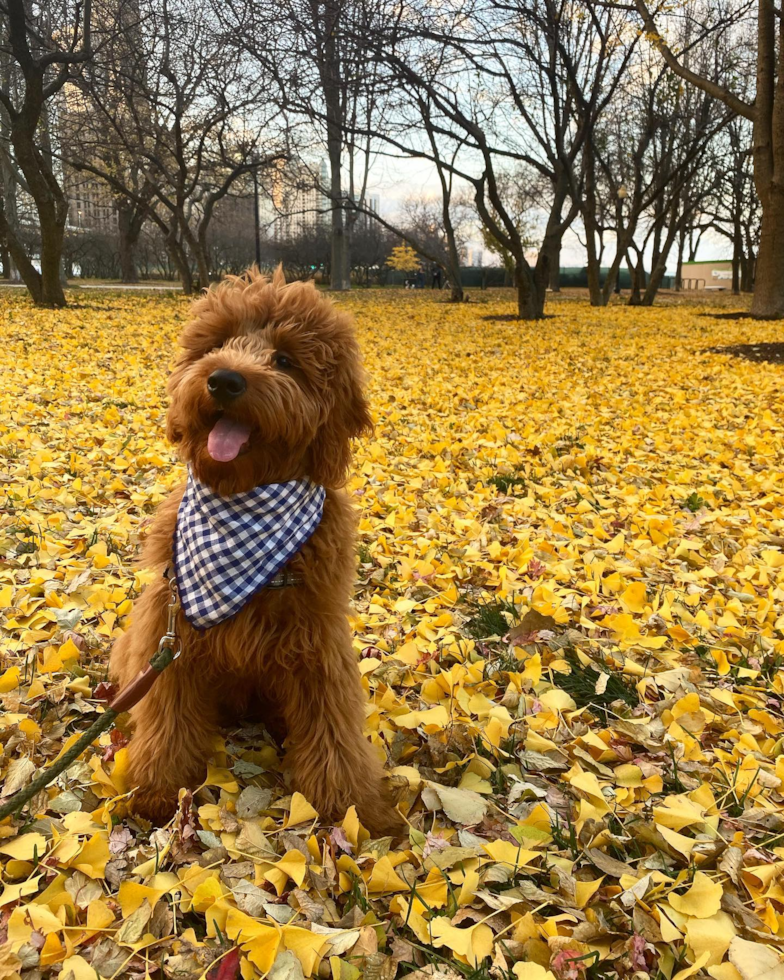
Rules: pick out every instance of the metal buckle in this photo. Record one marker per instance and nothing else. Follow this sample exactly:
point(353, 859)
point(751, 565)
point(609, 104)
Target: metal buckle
point(170, 639)
point(283, 580)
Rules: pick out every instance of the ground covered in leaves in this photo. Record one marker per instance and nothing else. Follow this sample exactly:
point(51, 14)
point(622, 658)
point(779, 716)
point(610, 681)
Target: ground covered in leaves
point(568, 621)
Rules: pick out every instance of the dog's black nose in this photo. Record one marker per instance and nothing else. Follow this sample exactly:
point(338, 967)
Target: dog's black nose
point(225, 386)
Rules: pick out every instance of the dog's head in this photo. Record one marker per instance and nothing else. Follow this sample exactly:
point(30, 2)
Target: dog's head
point(268, 386)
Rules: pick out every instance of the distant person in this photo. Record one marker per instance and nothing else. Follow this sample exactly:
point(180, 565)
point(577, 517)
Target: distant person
point(436, 283)
point(420, 280)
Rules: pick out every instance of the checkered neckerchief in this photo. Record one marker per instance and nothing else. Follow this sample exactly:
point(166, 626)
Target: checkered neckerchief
point(228, 548)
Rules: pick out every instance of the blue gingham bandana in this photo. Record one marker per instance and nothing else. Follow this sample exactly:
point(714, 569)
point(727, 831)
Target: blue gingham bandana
point(228, 548)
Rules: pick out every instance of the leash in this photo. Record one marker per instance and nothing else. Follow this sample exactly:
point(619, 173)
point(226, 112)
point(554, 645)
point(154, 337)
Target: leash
point(169, 649)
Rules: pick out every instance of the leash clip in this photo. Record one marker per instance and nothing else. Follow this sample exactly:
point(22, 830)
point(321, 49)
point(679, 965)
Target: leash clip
point(170, 639)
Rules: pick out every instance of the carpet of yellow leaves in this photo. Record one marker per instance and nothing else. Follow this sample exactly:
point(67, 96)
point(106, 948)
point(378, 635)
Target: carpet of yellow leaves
point(569, 625)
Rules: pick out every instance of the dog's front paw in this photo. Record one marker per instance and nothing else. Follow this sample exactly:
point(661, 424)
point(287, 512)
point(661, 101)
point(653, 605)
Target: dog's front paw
point(156, 806)
point(377, 811)
point(383, 821)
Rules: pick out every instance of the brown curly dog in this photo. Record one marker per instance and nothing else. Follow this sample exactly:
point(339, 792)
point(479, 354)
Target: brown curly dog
point(288, 411)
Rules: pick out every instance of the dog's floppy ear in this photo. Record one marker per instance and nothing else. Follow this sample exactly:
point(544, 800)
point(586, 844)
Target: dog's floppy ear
point(174, 431)
point(330, 451)
point(174, 428)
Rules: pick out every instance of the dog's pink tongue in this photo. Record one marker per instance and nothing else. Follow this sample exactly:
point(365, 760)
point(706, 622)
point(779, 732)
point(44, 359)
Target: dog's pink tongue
point(226, 439)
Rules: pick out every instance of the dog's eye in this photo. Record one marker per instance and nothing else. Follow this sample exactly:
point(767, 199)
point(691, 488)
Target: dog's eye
point(282, 361)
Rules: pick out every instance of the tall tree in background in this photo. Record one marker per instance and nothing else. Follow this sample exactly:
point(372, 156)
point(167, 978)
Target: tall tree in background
point(765, 110)
point(435, 227)
point(647, 172)
point(46, 44)
point(170, 118)
point(507, 84)
point(735, 207)
point(315, 52)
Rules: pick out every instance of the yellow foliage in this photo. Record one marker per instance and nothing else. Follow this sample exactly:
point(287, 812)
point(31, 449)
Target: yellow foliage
point(569, 609)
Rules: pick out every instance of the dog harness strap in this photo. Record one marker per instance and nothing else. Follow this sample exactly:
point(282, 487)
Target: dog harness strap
point(226, 549)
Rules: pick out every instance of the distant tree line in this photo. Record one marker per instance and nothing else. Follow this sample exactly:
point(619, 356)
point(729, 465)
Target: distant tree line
point(639, 126)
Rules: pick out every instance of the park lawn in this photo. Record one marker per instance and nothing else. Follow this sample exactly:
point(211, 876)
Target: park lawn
point(571, 633)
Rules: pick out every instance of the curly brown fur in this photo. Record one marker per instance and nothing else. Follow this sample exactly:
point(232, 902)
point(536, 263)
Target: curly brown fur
point(287, 649)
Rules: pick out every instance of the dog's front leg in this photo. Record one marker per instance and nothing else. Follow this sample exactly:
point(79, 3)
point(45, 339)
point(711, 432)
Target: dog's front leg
point(174, 726)
point(333, 764)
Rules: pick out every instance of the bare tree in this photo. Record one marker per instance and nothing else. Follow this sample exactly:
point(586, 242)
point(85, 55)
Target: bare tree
point(47, 44)
point(766, 113)
point(435, 227)
point(734, 211)
point(314, 51)
point(646, 175)
point(441, 232)
point(170, 118)
point(505, 84)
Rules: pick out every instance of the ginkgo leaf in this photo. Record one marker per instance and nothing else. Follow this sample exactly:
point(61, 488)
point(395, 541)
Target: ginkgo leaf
point(567, 607)
point(724, 971)
point(384, 880)
point(531, 971)
point(710, 934)
point(460, 805)
point(633, 597)
point(79, 968)
point(702, 900)
point(26, 847)
point(307, 946)
point(300, 811)
point(260, 941)
point(9, 680)
point(18, 775)
point(754, 961)
point(12, 893)
point(93, 856)
point(695, 967)
point(206, 894)
point(471, 944)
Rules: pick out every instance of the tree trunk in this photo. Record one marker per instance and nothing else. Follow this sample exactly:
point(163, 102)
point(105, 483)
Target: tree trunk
point(768, 302)
point(348, 227)
point(550, 252)
point(747, 272)
point(7, 72)
point(635, 273)
point(197, 246)
point(452, 272)
point(555, 269)
point(180, 262)
point(679, 266)
point(530, 299)
point(30, 275)
point(339, 245)
point(554, 234)
point(452, 269)
point(657, 273)
point(606, 290)
point(129, 228)
point(541, 276)
point(597, 296)
point(737, 253)
point(52, 232)
point(659, 266)
point(340, 259)
point(9, 206)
